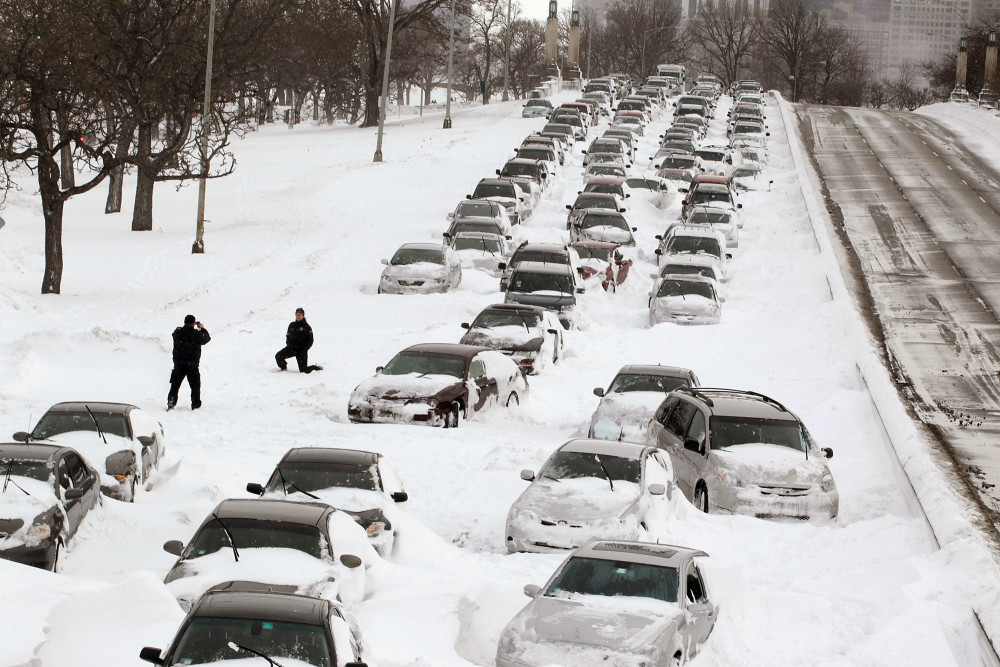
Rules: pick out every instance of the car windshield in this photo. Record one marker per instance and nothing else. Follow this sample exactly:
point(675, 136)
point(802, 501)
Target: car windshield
point(703, 195)
point(730, 431)
point(524, 281)
point(535, 154)
point(606, 188)
point(748, 129)
point(54, 423)
point(568, 118)
point(678, 162)
point(605, 170)
point(711, 156)
point(486, 245)
point(417, 255)
point(559, 128)
point(23, 468)
point(206, 640)
point(539, 103)
point(489, 319)
point(495, 190)
point(256, 534)
point(479, 209)
point(710, 217)
point(530, 255)
point(606, 147)
point(675, 175)
point(583, 252)
point(475, 226)
point(643, 183)
point(317, 476)
point(638, 382)
point(674, 287)
point(683, 146)
point(594, 576)
point(574, 465)
point(583, 201)
point(529, 170)
point(687, 269)
point(693, 245)
point(616, 221)
point(421, 363)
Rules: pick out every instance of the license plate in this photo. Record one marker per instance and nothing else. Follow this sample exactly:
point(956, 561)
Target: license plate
point(385, 414)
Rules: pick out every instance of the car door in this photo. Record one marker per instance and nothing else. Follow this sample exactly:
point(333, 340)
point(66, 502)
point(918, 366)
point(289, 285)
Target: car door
point(72, 471)
point(655, 471)
point(672, 440)
point(696, 461)
point(654, 435)
point(702, 611)
point(487, 385)
point(143, 425)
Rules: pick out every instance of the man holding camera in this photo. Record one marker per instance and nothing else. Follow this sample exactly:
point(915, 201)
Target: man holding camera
point(188, 340)
point(298, 340)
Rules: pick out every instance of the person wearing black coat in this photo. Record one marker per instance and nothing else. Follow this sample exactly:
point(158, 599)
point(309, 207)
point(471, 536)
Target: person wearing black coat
point(188, 340)
point(298, 340)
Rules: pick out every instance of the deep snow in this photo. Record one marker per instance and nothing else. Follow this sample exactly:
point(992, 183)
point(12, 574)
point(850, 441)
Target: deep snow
point(304, 222)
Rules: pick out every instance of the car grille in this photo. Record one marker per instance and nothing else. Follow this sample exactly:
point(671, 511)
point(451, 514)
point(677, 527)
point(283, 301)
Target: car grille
point(545, 522)
point(797, 517)
point(774, 490)
point(411, 283)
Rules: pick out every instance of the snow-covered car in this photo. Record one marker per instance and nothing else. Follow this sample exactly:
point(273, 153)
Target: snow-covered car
point(243, 621)
point(475, 225)
point(546, 154)
point(548, 142)
point(359, 483)
point(604, 226)
point(608, 145)
point(120, 438)
point(421, 268)
point(573, 119)
point(505, 193)
point(716, 191)
point(655, 190)
point(719, 159)
point(549, 253)
point(529, 191)
point(685, 299)
point(586, 201)
point(568, 132)
point(47, 490)
point(437, 384)
point(722, 219)
point(610, 185)
point(693, 241)
point(589, 490)
point(740, 452)
point(604, 261)
point(686, 265)
point(633, 396)
point(530, 335)
point(537, 108)
point(680, 179)
point(669, 158)
point(603, 169)
point(535, 170)
point(311, 546)
point(479, 209)
point(482, 251)
point(551, 286)
point(627, 604)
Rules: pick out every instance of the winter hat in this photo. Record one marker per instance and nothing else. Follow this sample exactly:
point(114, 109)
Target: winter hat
point(299, 310)
point(189, 319)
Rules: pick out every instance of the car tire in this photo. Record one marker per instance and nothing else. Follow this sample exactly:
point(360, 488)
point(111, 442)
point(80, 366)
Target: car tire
point(556, 346)
point(453, 418)
point(676, 661)
point(132, 487)
point(513, 400)
point(57, 558)
point(701, 498)
point(378, 290)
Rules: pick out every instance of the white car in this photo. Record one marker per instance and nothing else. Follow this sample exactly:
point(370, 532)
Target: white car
point(603, 226)
point(685, 299)
point(591, 489)
point(480, 209)
point(688, 265)
point(480, 250)
point(724, 220)
point(631, 399)
point(421, 268)
point(693, 241)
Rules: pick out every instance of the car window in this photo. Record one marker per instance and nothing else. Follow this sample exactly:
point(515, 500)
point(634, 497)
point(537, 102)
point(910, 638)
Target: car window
point(64, 478)
point(77, 470)
point(477, 369)
point(696, 430)
point(679, 418)
point(388, 478)
point(695, 587)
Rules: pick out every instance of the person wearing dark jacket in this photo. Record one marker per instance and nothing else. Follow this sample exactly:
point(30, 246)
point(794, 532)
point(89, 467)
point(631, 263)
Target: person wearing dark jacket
point(188, 340)
point(298, 340)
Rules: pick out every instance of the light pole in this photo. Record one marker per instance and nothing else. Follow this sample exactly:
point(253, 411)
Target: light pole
point(451, 58)
point(198, 248)
point(506, 57)
point(385, 81)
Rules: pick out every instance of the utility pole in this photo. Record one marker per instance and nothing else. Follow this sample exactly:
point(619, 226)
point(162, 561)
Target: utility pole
point(451, 58)
point(385, 81)
point(506, 57)
point(206, 125)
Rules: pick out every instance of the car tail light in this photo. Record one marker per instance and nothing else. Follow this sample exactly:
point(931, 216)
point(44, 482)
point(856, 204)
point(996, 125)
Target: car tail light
point(120, 478)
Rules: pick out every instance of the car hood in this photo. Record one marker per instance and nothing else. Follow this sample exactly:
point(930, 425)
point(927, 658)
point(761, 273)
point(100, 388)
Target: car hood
point(18, 510)
point(576, 500)
point(690, 304)
point(629, 625)
point(772, 464)
point(417, 270)
point(544, 298)
point(405, 386)
point(344, 499)
point(504, 338)
point(92, 448)
point(608, 234)
point(188, 579)
point(632, 407)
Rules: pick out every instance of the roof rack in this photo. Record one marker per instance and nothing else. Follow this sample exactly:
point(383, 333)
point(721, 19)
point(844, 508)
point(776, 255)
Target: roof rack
point(699, 392)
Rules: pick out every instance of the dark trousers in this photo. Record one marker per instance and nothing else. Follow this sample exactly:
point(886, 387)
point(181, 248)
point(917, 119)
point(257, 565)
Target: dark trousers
point(185, 370)
point(301, 358)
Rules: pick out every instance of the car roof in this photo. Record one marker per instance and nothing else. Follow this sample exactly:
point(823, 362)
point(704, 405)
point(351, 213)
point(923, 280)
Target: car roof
point(547, 247)
point(250, 600)
point(515, 307)
point(543, 267)
point(95, 406)
point(522, 160)
point(662, 555)
point(595, 244)
point(739, 403)
point(495, 181)
point(425, 246)
point(451, 349)
point(477, 235)
point(658, 370)
point(712, 179)
point(704, 232)
point(629, 450)
point(33, 451)
point(597, 195)
point(329, 455)
point(604, 180)
point(289, 511)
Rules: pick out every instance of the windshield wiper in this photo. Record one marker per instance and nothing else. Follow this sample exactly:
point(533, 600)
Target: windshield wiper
point(240, 647)
point(7, 480)
point(486, 248)
point(523, 321)
point(606, 473)
point(229, 536)
point(285, 484)
point(99, 431)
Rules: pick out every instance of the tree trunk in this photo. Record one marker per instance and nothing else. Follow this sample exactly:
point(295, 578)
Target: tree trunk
point(67, 174)
point(52, 211)
point(116, 183)
point(373, 87)
point(142, 211)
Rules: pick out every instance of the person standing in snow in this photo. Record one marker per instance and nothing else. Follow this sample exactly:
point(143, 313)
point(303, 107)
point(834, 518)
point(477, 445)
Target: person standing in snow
point(298, 340)
point(188, 340)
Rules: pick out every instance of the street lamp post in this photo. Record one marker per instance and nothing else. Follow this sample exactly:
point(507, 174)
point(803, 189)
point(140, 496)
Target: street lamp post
point(198, 248)
point(451, 58)
point(506, 57)
point(385, 81)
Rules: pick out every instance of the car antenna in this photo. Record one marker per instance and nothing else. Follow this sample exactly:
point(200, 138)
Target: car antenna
point(239, 647)
point(99, 431)
point(229, 536)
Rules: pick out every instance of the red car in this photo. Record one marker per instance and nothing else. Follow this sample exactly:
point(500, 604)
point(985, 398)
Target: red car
point(602, 258)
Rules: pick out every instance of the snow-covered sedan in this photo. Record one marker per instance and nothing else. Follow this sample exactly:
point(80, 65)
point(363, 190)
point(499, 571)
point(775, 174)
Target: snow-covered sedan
point(685, 299)
point(622, 604)
point(421, 268)
point(481, 250)
point(311, 546)
point(740, 452)
point(723, 220)
point(120, 438)
point(633, 396)
point(604, 226)
point(530, 335)
point(46, 492)
point(505, 193)
point(591, 489)
point(359, 483)
point(479, 209)
point(697, 242)
point(437, 384)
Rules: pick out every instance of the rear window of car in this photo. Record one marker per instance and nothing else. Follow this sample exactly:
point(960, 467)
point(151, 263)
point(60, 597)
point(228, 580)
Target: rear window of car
point(495, 190)
point(417, 255)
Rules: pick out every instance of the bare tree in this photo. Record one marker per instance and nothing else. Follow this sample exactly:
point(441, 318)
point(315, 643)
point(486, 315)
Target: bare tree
point(791, 31)
point(486, 26)
point(642, 34)
point(728, 32)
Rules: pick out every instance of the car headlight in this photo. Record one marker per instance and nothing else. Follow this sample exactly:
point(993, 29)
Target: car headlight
point(507, 643)
point(827, 483)
point(433, 402)
point(730, 478)
point(36, 534)
point(375, 529)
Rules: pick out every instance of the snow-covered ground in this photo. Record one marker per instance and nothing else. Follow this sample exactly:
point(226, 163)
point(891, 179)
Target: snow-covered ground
point(304, 222)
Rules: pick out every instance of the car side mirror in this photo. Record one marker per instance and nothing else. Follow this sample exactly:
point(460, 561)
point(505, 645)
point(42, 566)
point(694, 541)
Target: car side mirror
point(599, 391)
point(255, 488)
point(378, 369)
point(502, 265)
point(399, 496)
point(531, 590)
point(511, 238)
point(657, 252)
point(73, 494)
point(692, 445)
point(627, 195)
point(528, 475)
point(580, 290)
point(498, 172)
point(684, 190)
point(729, 255)
point(739, 206)
point(657, 490)
point(466, 325)
point(175, 547)
point(468, 196)
point(385, 261)
point(21, 436)
point(451, 216)
point(145, 440)
point(445, 235)
point(150, 654)
point(828, 451)
point(350, 560)
point(634, 229)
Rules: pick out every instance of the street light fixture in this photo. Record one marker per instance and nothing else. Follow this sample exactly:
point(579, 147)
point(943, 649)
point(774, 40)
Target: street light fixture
point(198, 248)
point(385, 81)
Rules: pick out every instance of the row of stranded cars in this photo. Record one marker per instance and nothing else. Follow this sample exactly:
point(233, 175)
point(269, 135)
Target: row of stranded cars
point(275, 576)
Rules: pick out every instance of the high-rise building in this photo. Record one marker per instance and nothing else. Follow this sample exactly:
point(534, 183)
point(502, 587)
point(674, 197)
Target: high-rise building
point(922, 30)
